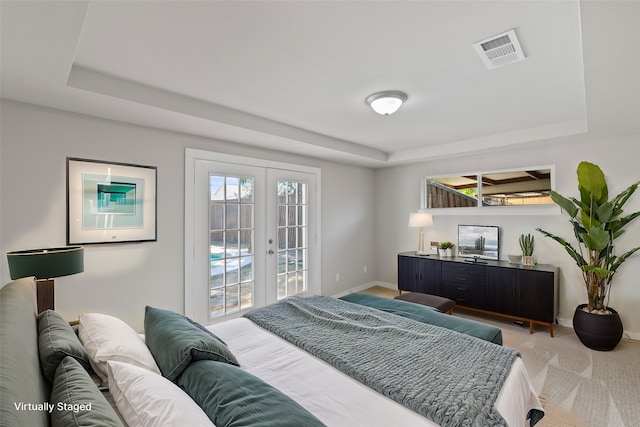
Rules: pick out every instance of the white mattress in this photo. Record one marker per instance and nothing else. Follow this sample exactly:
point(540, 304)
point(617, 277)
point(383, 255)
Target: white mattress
point(337, 399)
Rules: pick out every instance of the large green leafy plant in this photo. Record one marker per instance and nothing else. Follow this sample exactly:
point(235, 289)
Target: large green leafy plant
point(597, 222)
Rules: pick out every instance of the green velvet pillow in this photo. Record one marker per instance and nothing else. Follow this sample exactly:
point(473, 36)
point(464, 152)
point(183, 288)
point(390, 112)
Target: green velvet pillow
point(76, 400)
point(175, 341)
point(57, 340)
point(233, 397)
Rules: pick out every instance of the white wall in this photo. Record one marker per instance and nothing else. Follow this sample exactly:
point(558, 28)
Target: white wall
point(120, 279)
point(364, 212)
point(398, 193)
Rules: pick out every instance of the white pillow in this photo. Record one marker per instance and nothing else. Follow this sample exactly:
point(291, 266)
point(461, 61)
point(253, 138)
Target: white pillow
point(109, 338)
point(147, 399)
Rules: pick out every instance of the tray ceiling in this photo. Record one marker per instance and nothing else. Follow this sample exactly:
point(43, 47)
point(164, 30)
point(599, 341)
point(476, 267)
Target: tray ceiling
point(294, 76)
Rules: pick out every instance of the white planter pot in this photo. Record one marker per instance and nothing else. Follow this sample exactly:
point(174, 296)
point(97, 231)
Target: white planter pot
point(528, 260)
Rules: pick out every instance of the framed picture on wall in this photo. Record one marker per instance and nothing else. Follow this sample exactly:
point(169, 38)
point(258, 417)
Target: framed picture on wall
point(110, 202)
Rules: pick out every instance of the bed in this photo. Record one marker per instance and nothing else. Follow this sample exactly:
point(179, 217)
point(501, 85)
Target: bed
point(195, 372)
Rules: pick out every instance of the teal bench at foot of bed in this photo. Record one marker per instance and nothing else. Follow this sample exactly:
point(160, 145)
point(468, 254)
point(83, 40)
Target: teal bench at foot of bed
point(428, 315)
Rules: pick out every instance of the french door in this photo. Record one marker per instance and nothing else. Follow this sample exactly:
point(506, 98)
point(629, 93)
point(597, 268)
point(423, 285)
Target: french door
point(254, 237)
point(289, 229)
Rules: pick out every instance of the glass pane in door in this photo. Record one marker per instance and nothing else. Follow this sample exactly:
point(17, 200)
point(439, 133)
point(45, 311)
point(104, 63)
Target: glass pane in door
point(292, 235)
point(231, 229)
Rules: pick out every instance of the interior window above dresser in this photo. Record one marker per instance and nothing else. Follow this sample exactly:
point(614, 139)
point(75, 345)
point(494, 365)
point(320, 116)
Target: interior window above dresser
point(528, 186)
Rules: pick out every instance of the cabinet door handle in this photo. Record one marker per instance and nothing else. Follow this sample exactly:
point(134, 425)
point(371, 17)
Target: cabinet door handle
point(461, 300)
point(461, 279)
point(462, 289)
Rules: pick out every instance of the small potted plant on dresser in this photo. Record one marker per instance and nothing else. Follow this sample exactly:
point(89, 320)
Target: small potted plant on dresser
point(526, 245)
point(596, 222)
point(447, 249)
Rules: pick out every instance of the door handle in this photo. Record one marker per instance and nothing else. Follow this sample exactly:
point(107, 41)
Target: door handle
point(270, 252)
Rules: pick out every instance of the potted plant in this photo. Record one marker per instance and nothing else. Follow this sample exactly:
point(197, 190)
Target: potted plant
point(526, 245)
point(596, 222)
point(447, 249)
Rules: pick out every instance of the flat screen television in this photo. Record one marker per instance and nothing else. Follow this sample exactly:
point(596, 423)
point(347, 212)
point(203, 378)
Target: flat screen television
point(479, 241)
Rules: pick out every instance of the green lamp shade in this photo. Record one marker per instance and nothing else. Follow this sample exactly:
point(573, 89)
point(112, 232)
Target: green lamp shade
point(46, 263)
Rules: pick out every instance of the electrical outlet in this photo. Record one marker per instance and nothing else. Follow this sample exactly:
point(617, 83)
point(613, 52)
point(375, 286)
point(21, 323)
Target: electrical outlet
point(365, 269)
point(337, 277)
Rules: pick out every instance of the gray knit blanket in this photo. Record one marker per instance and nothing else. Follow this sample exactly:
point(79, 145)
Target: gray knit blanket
point(450, 378)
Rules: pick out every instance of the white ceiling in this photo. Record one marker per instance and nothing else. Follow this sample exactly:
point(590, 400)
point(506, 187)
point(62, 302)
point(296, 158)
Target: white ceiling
point(294, 75)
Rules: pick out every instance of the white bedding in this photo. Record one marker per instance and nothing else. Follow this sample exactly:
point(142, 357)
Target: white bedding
point(335, 398)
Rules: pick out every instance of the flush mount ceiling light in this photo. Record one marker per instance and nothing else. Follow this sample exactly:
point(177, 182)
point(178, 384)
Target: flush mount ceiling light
point(387, 102)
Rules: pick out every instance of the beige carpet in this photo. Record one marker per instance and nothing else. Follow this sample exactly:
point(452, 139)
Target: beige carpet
point(577, 386)
point(556, 416)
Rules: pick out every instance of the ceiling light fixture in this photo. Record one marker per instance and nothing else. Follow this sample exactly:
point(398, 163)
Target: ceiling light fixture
point(386, 102)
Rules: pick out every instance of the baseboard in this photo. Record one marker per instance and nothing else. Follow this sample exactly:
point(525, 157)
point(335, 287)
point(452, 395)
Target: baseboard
point(393, 286)
point(567, 323)
point(629, 335)
point(366, 286)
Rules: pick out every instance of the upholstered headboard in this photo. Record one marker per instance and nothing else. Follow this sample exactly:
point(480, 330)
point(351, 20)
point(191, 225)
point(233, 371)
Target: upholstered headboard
point(21, 380)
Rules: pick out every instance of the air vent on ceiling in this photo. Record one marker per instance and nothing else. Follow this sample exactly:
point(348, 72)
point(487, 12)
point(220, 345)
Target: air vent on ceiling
point(500, 50)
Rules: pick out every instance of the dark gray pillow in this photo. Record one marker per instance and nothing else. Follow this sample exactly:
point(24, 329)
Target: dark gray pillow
point(57, 340)
point(175, 341)
point(233, 397)
point(76, 399)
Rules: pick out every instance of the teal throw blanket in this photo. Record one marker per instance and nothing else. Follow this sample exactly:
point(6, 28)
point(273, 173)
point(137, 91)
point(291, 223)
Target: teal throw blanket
point(450, 378)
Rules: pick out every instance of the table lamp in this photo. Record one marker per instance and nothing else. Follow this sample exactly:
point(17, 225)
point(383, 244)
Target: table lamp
point(420, 219)
point(45, 265)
